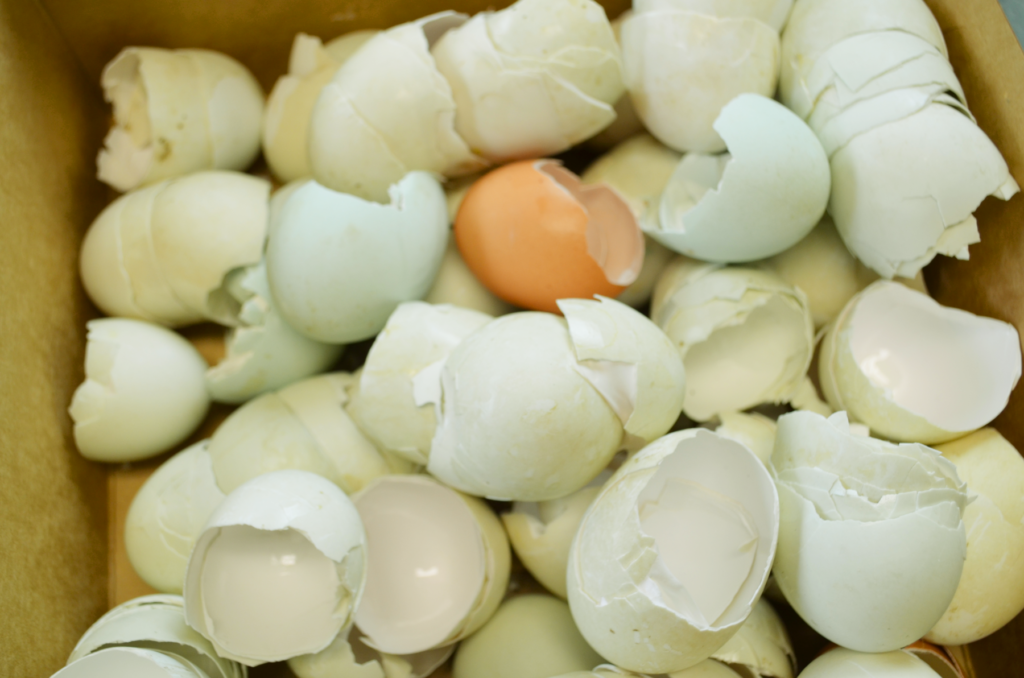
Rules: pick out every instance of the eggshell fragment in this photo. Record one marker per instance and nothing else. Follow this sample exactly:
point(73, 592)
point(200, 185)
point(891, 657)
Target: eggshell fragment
point(675, 551)
point(439, 564)
point(339, 265)
point(843, 663)
point(761, 646)
point(746, 337)
point(913, 370)
point(351, 657)
point(279, 569)
point(175, 112)
point(991, 589)
point(533, 234)
point(682, 68)
point(387, 112)
point(869, 531)
point(455, 284)
point(760, 199)
point(939, 659)
point(129, 661)
point(143, 391)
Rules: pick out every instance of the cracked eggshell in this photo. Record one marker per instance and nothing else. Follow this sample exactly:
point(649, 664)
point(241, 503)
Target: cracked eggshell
point(991, 589)
point(167, 515)
point(339, 265)
point(771, 12)
point(745, 335)
point(681, 71)
point(278, 570)
point(913, 370)
point(130, 661)
point(545, 432)
point(753, 430)
point(176, 112)
point(388, 111)
point(761, 198)
point(400, 381)
point(844, 663)
point(455, 284)
point(870, 530)
point(603, 671)
point(627, 123)
point(761, 646)
point(674, 552)
point(439, 564)
point(143, 391)
point(349, 657)
point(530, 636)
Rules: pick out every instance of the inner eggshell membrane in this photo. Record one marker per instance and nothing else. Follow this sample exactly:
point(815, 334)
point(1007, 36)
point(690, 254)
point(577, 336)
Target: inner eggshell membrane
point(425, 565)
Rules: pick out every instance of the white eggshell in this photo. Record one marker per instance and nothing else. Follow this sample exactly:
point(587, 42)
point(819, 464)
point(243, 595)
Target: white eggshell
point(843, 663)
point(709, 668)
point(913, 370)
point(674, 553)
point(546, 431)
point(991, 590)
point(130, 661)
point(761, 645)
point(754, 431)
point(349, 657)
point(746, 337)
point(627, 123)
point(401, 379)
point(455, 284)
point(339, 265)
point(870, 530)
point(264, 353)
point(762, 198)
point(772, 12)
point(439, 564)
point(681, 68)
point(387, 112)
point(167, 515)
point(604, 671)
point(279, 569)
point(143, 391)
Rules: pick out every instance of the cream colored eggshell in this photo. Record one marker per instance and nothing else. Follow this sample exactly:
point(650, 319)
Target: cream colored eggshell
point(663, 51)
point(339, 265)
point(455, 284)
point(401, 378)
point(913, 370)
point(167, 515)
point(264, 353)
point(816, 25)
point(772, 12)
point(143, 391)
point(770, 193)
point(363, 137)
point(101, 265)
point(843, 663)
point(754, 431)
point(722, 318)
point(229, 597)
point(349, 657)
point(991, 589)
point(761, 645)
point(627, 123)
point(869, 531)
point(709, 668)
point(546, 431)
point(604, 671)
point(130, 661)
point(624, 582)
point(234, 108)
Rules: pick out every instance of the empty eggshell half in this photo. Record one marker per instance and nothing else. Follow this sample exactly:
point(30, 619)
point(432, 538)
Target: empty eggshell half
point(143, 391)
point(455, 284)
point(279, 569)
point(674, 552)
point(339, 265)
point(176, 112)
point(394, 404)
point(763, 197)
point(870, 530)
point(761, 647)
point(913, 370)
point(168, 514)
point(438, 568)
point(388, 111)
point(349, 657)
point(745, 335)
point(991, 590)
point(843, 663)
point(682, 68)
point(130, 661)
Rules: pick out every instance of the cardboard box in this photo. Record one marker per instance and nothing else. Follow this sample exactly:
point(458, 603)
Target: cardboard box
point(60, 516)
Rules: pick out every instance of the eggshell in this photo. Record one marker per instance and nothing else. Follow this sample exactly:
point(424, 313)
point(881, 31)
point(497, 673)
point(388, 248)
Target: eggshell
point(388, 111)
point(339, 265)
point(869, 531)
point(304, 427)
point(175, 112)
point(761, 646)
point(351, 657)
point(238, 592)
point(455, 284)
point(665, 50)
point(167, 515)
point(130, 661)
point(143, 391)
point(771, 12)
point(155, 622)
point(532, 233)
point(913, 370)
point(762, 198)
point(754, 431)
point(991, 589)
point(532, 79)
point(746, 337)
point(439, 564)
point(394, 403)
point(691, 507)
point(604, 671)
point(843, 663)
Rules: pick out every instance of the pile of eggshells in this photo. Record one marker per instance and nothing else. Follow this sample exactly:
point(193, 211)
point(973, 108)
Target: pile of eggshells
point(659, 469)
